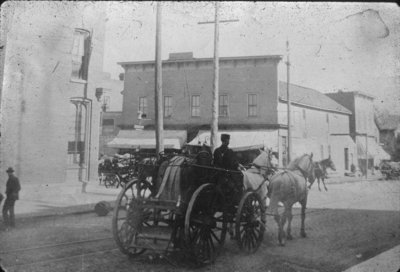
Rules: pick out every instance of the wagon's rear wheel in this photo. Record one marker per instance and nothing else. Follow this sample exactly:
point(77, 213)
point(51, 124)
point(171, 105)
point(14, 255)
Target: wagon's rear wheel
point(124, 230)
point(250, 222)
point(205, 224)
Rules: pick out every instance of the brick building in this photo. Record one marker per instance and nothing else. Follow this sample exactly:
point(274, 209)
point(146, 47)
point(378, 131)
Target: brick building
point(252, 105)
point(50, 112)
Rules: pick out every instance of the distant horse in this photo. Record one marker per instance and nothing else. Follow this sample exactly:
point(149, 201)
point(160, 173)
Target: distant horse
point(289, 187)
point(320, 171)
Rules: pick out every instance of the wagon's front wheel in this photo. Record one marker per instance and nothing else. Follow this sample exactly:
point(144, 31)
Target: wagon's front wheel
point(123, 230)
point(205, 225)
point(250, 222)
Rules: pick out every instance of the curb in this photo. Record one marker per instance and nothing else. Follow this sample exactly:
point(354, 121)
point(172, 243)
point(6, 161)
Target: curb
point(60, 211)
point(385, 261)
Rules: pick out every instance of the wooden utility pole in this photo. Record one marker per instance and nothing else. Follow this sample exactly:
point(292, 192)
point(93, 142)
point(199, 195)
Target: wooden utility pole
point(158, 87)
point(215, 101)
point(289, 135)
point(214, 121)
point(366, 155)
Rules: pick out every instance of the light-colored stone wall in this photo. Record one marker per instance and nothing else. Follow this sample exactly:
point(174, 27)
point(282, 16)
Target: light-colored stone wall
point(37, 88)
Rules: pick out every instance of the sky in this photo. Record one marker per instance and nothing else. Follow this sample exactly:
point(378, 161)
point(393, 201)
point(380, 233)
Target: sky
point(332, 46)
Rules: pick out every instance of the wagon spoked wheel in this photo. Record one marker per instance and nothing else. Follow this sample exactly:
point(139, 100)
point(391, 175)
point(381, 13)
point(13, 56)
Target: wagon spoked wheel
point(250, 222)
point(143, 188)
point(124, 231)
point(205, 225)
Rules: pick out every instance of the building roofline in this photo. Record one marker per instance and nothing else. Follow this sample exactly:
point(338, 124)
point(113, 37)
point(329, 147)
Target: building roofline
point(355, 93)
point(344, 111)
point(314, 107)
point(269, 57)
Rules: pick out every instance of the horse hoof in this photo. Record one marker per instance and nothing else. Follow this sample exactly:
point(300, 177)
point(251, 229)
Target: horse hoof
point(303, 234)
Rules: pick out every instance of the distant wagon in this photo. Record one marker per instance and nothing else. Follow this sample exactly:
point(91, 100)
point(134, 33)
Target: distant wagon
point(390, 169)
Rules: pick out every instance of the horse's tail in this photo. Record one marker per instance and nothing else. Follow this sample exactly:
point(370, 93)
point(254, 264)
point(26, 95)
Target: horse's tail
point(272, 193)
point(273, 201)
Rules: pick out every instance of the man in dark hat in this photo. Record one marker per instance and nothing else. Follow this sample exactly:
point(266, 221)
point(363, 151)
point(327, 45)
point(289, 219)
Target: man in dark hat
point(224, 156)
point(12, 189)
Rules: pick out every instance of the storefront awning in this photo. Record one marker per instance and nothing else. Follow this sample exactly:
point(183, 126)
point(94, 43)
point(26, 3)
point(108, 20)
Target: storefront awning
point(375, 151)
point(242, 140)
point(132, 139)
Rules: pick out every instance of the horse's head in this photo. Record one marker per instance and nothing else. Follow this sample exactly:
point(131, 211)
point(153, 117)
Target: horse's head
point(305, 164)
point(264, 159)
point(330, 164)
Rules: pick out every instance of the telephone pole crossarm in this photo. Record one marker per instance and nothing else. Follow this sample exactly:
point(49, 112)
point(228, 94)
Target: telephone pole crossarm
point(221, 21)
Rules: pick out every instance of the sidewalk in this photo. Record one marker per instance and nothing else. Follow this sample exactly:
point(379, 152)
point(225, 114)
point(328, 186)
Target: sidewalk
point(386, 261)
point(333, 179)
point(62, 198)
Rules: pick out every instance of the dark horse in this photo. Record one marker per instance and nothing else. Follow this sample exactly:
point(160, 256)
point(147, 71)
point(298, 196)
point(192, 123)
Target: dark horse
point(289, 187)
point(320, 171)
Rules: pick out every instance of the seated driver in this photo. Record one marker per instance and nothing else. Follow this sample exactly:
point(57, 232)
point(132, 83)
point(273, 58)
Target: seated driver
point(224, 157)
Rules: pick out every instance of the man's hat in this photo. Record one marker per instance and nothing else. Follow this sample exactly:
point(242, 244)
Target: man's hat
point(225, 137)
point(10, 170)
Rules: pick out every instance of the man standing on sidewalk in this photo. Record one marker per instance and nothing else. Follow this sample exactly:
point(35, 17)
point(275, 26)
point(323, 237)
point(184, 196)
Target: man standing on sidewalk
point(12, 189)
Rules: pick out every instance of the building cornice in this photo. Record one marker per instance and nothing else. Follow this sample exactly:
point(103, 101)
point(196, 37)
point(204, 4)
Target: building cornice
point(207, 126)
point(222, 60)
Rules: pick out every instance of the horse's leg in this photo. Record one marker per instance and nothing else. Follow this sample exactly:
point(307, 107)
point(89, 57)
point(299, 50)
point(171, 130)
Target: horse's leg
point(282, 234)
point(273, 207)
point(288, 211)
point(303, 204)
point(319, 188)
point(311, 183)
point(323, 182)
point(231, 232)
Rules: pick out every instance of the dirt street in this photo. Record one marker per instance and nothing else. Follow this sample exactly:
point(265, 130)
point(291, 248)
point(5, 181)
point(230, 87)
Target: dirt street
point(337, 239)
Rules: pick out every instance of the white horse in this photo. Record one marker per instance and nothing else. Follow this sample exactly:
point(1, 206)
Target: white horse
point(256, 178)
point(290, 187)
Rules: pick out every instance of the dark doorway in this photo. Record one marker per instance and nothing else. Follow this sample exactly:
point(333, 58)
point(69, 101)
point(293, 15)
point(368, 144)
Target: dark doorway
point(346, 159)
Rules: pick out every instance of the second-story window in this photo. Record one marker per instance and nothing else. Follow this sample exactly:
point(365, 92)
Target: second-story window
point(108, 122)
point(80, 54)
point(195, 105)
point(223, 105)
point(143, 105)
point(252, 105)
point(106, 104)
point(167, 106)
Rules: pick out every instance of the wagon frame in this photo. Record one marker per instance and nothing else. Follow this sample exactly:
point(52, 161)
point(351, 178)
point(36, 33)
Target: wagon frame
point(197, 227)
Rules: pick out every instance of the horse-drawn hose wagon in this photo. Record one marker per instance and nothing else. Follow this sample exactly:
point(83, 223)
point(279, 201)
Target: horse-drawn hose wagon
point(187, 206)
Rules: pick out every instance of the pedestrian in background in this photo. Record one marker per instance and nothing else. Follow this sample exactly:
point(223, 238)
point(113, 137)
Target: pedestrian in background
point(12, 194)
